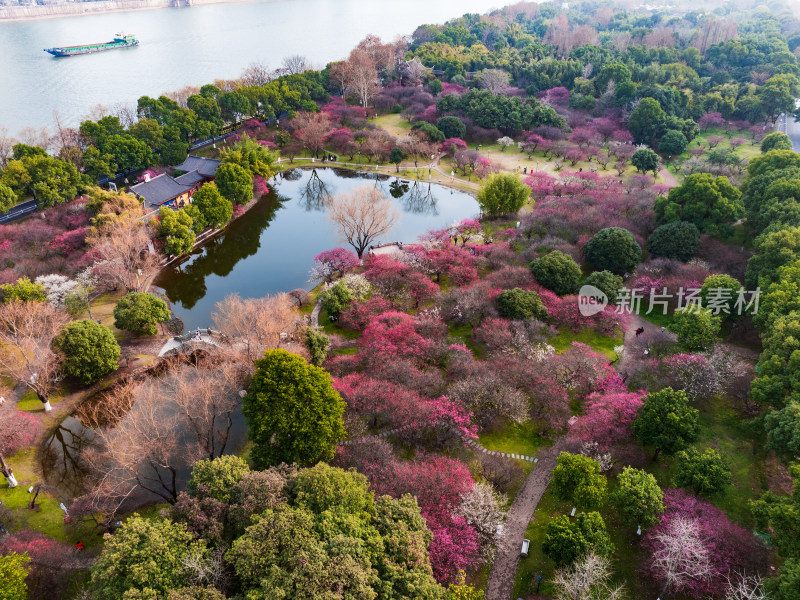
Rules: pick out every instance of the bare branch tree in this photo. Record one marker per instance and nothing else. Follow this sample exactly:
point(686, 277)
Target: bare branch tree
point(362, 215)
point(145, 446)
point(207, 398)
point(681, 555)
point(746, 587)
point(27, 330)
point(6, 144)
point(257, 73)
point(361, 76)
point(494, 80)
point(123, 243)
point(587, 579)
point(296, 63)
point(35, 137)
point(255, 323)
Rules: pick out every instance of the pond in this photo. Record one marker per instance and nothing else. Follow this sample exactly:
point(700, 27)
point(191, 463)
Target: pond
point(271, 248)
point(69, 456)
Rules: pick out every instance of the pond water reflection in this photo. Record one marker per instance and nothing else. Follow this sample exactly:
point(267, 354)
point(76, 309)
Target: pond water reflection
point(272, 247)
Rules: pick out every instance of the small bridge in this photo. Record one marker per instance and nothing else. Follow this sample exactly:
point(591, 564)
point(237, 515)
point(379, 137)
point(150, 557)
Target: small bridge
point(198, 336)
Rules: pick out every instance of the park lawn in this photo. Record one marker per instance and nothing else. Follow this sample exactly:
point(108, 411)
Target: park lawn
point(346, 351)
point(745, 151)
point(515, 438)
point(331, 328)
point(103, 309)
point(598, 342)
point(49, 519)
point(29, 402)
point(723, 429)
point(394, 124)
point(625, 559)
point(462, 334)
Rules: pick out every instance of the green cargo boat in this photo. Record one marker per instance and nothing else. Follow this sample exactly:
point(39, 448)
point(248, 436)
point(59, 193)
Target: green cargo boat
point(120, 41)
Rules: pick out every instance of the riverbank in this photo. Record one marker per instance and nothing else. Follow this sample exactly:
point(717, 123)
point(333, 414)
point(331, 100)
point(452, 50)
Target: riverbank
point(10, 14)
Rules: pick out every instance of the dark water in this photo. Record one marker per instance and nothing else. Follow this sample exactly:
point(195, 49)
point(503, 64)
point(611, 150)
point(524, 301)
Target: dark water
point(271, 248)
point(186, 46)
point(65, 457)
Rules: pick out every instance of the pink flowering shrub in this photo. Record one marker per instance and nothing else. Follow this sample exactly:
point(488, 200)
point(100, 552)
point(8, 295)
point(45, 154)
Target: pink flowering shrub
point(452, 145)
point(335, 262)
point(607, 419)
point(358, 314)
point(259, 186)
point(392, 335)
point(69, 241)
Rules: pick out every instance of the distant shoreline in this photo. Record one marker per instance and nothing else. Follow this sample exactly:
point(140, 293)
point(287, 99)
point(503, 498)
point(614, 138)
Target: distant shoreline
point(11, 14)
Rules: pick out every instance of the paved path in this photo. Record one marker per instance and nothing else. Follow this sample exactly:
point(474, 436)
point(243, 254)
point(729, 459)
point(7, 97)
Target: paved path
point(315, 315)
point(669, 178)
point(789, 125)
point(504, 567)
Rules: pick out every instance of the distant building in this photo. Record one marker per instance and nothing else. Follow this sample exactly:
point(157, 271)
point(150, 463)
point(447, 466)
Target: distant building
point(176, 192)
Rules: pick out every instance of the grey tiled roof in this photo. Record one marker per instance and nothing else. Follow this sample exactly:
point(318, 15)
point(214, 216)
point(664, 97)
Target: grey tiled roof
point(192, 178)
point(159, 190)
point(205, 166)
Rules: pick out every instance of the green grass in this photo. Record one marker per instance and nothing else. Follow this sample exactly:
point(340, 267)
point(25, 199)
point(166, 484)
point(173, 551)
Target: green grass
point(515, 438)
point(331, 328)
point(537, 563)
point(49, 518)
point(345, 351)
point(29, 402)
point(723, 429)
point(603, 344)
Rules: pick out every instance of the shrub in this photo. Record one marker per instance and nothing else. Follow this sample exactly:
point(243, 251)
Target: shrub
point(678, 239)
point(317, 344)
point(775, 141)
point(140, 313)
point(557, 272)
point(565, 540)
point(705, 473)
point(90, 350)
point(696, 329)
point(452, 127)
point(606, 282)
point(503, 193)
point(335, 298)
point(520, 304)
point(613, 249)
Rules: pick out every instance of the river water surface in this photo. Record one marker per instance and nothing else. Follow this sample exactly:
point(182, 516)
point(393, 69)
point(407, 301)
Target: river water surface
point(272, 247)
point(186, 46)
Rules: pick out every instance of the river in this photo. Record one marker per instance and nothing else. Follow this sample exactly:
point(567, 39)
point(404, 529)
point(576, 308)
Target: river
point(186, 46)
point(271, 249)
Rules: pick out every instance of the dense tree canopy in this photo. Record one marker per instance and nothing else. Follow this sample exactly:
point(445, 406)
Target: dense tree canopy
point(293, 412)
point(666, 421)
point(711, 203)
point(90, 350)
point(677, 239)
point(139, 313)
point(613, 249)
point(557, 272)
point(520, 304)
point(503, 194)
point(638, 497)
point(578, 478)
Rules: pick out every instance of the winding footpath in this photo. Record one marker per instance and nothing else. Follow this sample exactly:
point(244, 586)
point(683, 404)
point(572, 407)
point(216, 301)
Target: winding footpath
point(504, 567)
